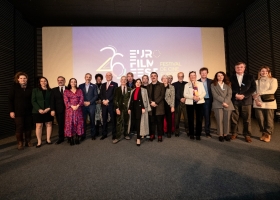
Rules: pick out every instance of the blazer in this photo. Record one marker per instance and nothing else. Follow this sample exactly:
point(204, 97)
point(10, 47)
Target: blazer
point(247, 88)
point(209, 82)
point(91, 95)
point(19, 100)
point(159, 97)
point(170, 95)
point(188, 93)
point(38, 100)
point(179, 91)
point(120, 100)
point(108, 94)
point(221, 96)
point(57, 102)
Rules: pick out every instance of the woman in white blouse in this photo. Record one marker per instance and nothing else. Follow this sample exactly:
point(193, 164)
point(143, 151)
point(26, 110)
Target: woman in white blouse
point(264, 111)
point(194, 93)
point(222, 104)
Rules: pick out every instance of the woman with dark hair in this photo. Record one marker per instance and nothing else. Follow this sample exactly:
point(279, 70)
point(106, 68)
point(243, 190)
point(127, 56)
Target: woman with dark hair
point(20, 108)
point(264, 108)
point(98, 113)
point(41, 97)
point(222, 104)
point(194, 93)
point(74, 122)
point(138, 108)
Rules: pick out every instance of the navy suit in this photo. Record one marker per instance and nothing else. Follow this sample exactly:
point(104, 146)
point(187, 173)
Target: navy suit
point(108, 94)
point(91, 95)
point(207, 107)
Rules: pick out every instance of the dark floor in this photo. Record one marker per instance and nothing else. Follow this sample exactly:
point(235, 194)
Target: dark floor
point(177, 168)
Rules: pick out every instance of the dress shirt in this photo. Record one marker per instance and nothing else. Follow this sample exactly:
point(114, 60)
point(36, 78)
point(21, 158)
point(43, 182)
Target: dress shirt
point(239, 78)
point(206, 88)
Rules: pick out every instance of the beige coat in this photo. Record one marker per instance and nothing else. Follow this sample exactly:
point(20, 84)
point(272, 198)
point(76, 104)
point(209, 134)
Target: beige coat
point(188, 93)
point(144, 125)
point(221, 96)
point(267, 86)
point(170, 95)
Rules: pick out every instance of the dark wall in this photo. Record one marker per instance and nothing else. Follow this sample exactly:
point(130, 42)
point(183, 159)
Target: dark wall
point(254, 38)
point(17, 53)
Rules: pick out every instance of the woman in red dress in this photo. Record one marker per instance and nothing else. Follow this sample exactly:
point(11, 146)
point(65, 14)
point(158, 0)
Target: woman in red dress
point(74, 122)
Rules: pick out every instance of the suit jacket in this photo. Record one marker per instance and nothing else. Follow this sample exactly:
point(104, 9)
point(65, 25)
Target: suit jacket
point(179, 92)
point(91, 95)
point(209, 82)
point(188, 93)
point(38, 100)
point(108, 94)
point(57, 102)
point(120, 100)
point(221, 96)
point(247, 88)
point(159, 97)
point(170, 95)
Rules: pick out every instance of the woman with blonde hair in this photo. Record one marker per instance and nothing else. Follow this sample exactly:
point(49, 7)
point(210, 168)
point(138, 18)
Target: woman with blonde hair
point(265, 103)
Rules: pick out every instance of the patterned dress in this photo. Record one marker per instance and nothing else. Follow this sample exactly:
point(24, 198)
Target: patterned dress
point(74, 122)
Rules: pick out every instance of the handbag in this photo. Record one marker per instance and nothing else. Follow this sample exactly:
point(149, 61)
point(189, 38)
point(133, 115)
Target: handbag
point(266, 97)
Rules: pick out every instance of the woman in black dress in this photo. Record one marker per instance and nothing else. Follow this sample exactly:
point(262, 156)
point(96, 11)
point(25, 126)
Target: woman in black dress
point(20, 108)
point(41, 110)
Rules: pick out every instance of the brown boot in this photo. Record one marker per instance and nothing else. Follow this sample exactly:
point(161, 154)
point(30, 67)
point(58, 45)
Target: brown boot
point(262, 137)
point(267, 137)
point(20, 145)
point(27, 139)
point(28, 144)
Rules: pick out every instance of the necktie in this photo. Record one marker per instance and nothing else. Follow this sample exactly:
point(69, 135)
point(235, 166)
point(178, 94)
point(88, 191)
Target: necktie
point(61, 90)
point(123, 91)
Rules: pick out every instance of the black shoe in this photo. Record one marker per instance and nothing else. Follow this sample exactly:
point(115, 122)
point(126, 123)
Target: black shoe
point(176, 134)
point(83, 138)
point(103, 137)
point(208, 135)
point(38, 146)
point(221, 138)
point(72, 141)
point(77, 140)
point(197, 137)
point(192, 137)
point(93, 138)
point(227, 138)
point(59, 141)
point(48, 142)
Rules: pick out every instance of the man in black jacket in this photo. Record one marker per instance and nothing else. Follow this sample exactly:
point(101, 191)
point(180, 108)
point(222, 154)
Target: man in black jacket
point(58, 107)
point(243, 86)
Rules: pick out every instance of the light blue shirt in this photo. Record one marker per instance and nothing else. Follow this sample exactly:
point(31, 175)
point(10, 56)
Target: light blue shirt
point(206, 88)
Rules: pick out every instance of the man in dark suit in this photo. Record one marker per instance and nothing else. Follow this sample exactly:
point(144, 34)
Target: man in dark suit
point(207, 106)
point(243, 86)
point(90, 96)
point(106, 97)
point(58, 107)
point(130, 80)
point(156, 93)
point(121, 98)
point(180, 106)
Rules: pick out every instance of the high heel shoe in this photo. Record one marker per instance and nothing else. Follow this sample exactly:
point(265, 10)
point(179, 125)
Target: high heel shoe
point(38, 146)
point(72, 141)
point(138, 142)
point(159, 138)
point(48, 142)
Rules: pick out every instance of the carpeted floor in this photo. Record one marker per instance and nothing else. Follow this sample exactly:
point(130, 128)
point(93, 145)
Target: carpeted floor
point(177, 168)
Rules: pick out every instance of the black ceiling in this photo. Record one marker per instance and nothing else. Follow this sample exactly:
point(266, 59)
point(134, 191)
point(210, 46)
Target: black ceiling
point(215, 13)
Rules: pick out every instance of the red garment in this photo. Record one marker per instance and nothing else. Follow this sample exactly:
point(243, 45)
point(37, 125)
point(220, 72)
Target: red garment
point(173, 123)
point(136, 93)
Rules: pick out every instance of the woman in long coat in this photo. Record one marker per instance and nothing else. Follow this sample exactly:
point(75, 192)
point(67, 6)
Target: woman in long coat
point(74, 122)
point(138, 110)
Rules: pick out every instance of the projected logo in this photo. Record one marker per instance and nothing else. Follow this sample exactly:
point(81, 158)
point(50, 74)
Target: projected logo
point(109, 65)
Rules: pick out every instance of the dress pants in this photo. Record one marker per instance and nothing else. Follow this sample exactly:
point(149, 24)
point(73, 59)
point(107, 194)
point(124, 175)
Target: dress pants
point(168, 117)
point(156, 121)
point(223, 121)
point(89, 110)
point(179, 110)
point(265, 118)
point(197, 109)
point(23, 125)
point(105, 111)
point(60, 118)
point(245, 112)
point(122, 123)
point(206, 113)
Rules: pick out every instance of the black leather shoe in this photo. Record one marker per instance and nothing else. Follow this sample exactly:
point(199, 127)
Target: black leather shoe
point(48, 142)
point(83, 138)
point(103, 137)
point(197, 137)
point(176, 134)
point(59, 141)
point(227, 138)
point(221, 138)
point(93, 138)
point(38, 146)
point(192, 137)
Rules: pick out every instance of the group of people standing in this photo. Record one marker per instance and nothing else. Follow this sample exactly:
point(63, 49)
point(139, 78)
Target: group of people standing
point(143, 107)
